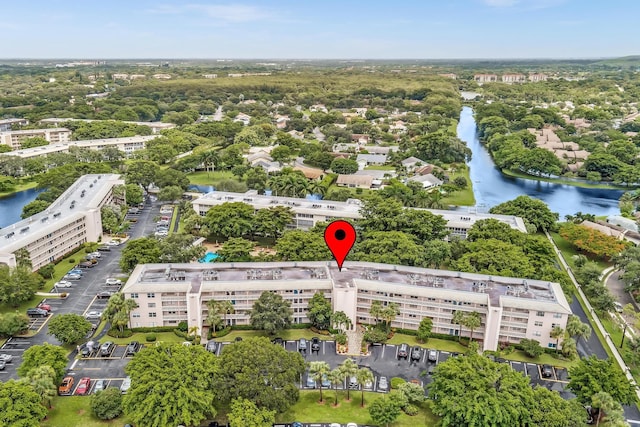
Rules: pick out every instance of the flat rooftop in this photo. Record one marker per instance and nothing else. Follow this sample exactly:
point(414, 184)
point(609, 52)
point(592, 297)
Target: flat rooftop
point(162, 125)
point(85, 194)
point(29, 131)
point(85, 143)
point(494, 287)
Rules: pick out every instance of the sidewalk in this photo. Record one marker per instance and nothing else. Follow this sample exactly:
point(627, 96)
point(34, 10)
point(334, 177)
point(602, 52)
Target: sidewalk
point(608, 341)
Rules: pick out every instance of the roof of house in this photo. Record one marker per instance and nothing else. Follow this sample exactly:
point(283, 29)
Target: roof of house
point(259, 155)
point(412, 161)
point(372, 158)
point(359, 180)
point(376, 174)
point(430, 178)
point(310, 173)
point(423, 170)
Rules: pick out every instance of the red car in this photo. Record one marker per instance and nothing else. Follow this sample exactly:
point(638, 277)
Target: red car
point(44, 306)
point(83, 386)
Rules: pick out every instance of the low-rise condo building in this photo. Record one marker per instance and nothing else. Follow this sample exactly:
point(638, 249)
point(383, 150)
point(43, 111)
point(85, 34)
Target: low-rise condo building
point(156, 127)
point(510, 308)
point(127, 145)
point(14, 138)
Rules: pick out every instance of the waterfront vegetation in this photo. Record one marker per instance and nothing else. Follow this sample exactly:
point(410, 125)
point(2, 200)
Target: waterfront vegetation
point(564, 181)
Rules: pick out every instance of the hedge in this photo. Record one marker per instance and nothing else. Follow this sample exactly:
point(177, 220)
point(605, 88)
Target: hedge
point(116, 333)
point(154, 329)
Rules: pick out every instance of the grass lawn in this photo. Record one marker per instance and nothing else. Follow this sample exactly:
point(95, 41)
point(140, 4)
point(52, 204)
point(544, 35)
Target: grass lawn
point(72, 411)
point(543, 359)
point(287, 334)
point(568, 252)
point(20, 186)
point(174, 217)
point(310, 411)
point(565, 181)
point(463, 197)
point(209, 178)
point(380, 168)
point(169, 337)
point(434, 343)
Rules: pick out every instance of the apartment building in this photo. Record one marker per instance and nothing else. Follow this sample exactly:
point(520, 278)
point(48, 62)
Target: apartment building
point(127, 145)
point(8, 124)
point(485, 78)
point(14, 138)
point(511, 308)
point(310, 212)
point(538, 77)
point(514, 78)
point(156, 127)
point(72, 220)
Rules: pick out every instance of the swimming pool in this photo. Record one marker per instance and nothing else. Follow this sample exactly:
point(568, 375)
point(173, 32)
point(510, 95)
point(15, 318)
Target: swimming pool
point(209, 257)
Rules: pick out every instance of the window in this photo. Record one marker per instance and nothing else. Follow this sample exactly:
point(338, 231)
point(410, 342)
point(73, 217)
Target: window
point(553, 325)
point(152, 314)
point(151, 305)
point(557, 315)
point(134, 295)
point(135, 315)
point(151, 295)
point(552, 345)
point(537, 334)
point(540, 314)
point(538, 323)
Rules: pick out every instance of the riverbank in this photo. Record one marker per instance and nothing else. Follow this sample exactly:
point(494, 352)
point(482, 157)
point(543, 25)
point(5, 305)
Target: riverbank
point(562, 181)
point(22, 186)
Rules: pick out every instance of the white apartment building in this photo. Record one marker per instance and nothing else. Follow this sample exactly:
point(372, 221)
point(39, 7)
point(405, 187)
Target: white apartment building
point(511, 308)
point(309, 212)
point(156, 127)
point(127, 145)
point(14, 138)
point(72, 220)
point(7, 124)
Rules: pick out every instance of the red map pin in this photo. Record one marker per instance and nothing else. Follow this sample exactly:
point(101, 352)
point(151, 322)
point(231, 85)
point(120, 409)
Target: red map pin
point(340, 237)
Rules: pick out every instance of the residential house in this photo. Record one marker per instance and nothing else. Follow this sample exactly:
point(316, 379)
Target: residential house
point(8, 124)
point(360, 138)
point(411, 163)
point(281, 121)
point(210, 76)
point(346, 148)
point(311, 173)
point(424, 170)
point(354, 181)
point(243, 118)
point(268, 166)
point(398, 127)
point(296, 134)
point(428, 181)
point(14, 138)
point(162, 76)
point(372, 159)
point(318, 108)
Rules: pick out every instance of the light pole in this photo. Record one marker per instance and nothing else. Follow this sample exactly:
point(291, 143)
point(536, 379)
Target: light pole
point(623, 334)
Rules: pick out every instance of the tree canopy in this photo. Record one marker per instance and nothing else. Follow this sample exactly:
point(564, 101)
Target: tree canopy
point(534, 211)
point(69, 328)
point(21, 405)
point(271, 313)
point(44, 355)
point(592, 375)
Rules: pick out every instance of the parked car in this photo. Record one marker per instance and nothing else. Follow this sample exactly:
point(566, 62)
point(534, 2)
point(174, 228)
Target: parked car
point(62, 284)
point(432, 356)
point(311, 383)
point(99, 386)
point(353, 383)
point(89, 348)
point(104, 248)
point(383, 384)
point(2, 365)
point(72, 276)
point(132, 348)
point(93, 315)
point(416, 353)
point(161, 233)
point(212, 346)
point(113, 243)
point(85, 264)
point(95, 254)
point(37, 312)
point(44, 306)
point(6, 358)
point(303, 345)
point(403, 351)
point(368, 385)
point(325, 381)
point(107, 348)
point(66, 387)
point(618, 307)
point(104, 295)
point(83, 386)
point(126, 385)
point(113, 282)
point(547, 371)
point(75, 271)
point(352, 425)
point(277, 341)
point(315, 344)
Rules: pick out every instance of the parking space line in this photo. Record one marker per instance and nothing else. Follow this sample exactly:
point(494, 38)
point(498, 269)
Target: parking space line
point(43, 323)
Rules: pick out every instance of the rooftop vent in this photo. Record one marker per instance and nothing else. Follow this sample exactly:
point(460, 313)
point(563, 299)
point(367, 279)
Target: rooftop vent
point(56, 215)
point(44, 219)
point(10, 235)
point(24, 230)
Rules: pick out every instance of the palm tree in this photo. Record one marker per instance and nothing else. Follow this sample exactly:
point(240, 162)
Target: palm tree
point(364, 376)
point(575, 328)
point(609, 410)
point(557, 332)
point(376, 310)
point(349, 369)
point(435, 201)
point(118, 310)
point(389, 313)
point(340, 320)
point(336, 378)
point(319, 370)
point(209, 159)
point(458, 316)
point(471, 320)
point(225, 308)
point(194, 331)
point(315, 187)
point(213, 314)
point(42, 380)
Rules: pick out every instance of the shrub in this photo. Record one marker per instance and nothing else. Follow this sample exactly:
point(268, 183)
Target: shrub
point(154, 329)
point(71, 260)
point(107, 404)
point(341, 339)
point(396, 381)
point(179, 333)
point(150, 337)
point(116, 333)
point(183, 326)
point(411, 410)
point(375, 336)
point(63, 295)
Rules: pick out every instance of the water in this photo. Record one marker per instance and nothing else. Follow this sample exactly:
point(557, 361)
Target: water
point(491, 187)
point(11, 206)
point(209, 257)
point(201, 188)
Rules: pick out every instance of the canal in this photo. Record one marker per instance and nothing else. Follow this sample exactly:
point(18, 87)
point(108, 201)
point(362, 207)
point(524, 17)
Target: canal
point(11, 206)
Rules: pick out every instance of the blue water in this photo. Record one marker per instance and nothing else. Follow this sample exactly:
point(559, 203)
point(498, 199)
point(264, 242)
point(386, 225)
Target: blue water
point(209, 257)
point(11, 206)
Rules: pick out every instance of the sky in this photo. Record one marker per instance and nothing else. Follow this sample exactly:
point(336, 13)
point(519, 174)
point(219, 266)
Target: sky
point(321, 29)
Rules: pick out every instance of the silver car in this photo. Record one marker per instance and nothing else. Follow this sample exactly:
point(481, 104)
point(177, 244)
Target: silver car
point(126, 384)
point(383, 384)
point(99, 386)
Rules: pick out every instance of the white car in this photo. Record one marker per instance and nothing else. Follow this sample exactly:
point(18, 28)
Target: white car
point(63, 284)
point(93, 315)
point(114, 282)
point(618, 307)
point(161, 233)
point(95, 254)
point(7, 358)
point(113, 243)
point(126, 384)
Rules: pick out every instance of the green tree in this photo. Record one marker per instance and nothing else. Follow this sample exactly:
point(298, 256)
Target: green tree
point(118, 309)
point(501, 396)
point(556, 333)
point(21, 405)
point(389, 247)
point(340, 321)
point(33, 208)
point(18, 285)
point(171, 177)
point(539, 161)
point(349, 369)
point(110, 218)
point(282, 154)
point(13, 323)
point(384, 411)
point(344, 166)
point(44, 355)
point(42, 379)
point(255, 369)
point(471, 321)
point(172, 192)
point(592, 375)
point(245, 413)
point(318, 370)
point(133, 194)
point(33, 142)
point(319, 311)
point(364, 377)
point(494, 257)
point(551, 410)
point(436, 252)
point(69, 328)
point(272, 222)
point(47, 271)
point(142, 172)
point(457, 319)
point(299, 245)
point(609, 412)
point(107, 404)
point(531, 347)
point(576, 328)
point(271, 313)
point(230, 219)
point(236, 249)
point(424, 329)
point(140, 251)
point(413, 393)
point(336, 378)
point(171, 384)
point(534, 211)
point(179, 248)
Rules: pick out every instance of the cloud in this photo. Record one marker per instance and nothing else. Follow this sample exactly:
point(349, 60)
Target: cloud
point(524, 4)
point(501, 3)
point(232, 13)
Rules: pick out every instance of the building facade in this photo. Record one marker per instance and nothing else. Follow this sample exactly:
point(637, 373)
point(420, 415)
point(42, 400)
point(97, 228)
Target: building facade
point(310, 212)
point(510, 308)
point(8, 124)
point(72, 220)
point(156, 127)
point(54, 136)
point(127, 145)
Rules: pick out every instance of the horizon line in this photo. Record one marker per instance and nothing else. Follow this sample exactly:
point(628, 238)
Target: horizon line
point(311, 59)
